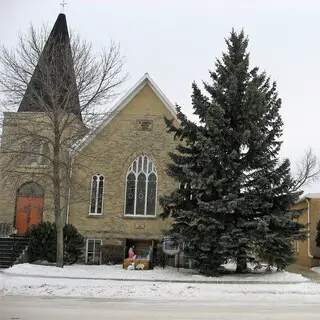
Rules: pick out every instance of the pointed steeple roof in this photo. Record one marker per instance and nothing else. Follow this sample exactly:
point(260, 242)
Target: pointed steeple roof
point(53, 82)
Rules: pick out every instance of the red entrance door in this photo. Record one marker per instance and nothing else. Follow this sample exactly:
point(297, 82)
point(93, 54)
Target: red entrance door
point(29, 207)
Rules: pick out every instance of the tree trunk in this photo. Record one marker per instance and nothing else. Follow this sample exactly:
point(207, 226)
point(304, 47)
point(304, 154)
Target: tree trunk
point(59, 227)
point(241, 265)
point(56, 196)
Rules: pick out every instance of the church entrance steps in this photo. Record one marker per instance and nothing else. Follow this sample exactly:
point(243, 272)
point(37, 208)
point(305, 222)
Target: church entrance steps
point(11, 248)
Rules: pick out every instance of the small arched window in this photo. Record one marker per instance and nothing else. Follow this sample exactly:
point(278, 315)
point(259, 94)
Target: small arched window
point(97, 187)
point(141, 188)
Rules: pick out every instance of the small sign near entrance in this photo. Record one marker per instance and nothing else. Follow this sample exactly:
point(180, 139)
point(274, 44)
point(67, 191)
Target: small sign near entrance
point(170, 247)
point(140, 226)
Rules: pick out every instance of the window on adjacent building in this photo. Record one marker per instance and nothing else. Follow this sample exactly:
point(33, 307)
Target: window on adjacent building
point(186, 190)
point(93, 251)
point(141, 188)
point(97, 187)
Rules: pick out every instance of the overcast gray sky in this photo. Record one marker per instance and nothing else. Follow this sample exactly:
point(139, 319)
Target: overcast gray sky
point(177, 41)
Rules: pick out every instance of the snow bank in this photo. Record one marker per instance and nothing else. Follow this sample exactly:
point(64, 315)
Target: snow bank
point(90, 281)
point(35, 286)
point(116, 272)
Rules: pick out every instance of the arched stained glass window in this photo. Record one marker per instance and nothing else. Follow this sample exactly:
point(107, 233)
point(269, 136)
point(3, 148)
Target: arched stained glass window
point(97, 187)
point(151, 194)
point(141, 188)
point(131, 191)
point(141, 194)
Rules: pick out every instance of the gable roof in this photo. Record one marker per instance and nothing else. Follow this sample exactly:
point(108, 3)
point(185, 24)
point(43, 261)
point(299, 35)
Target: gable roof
point(114, 111)
point(56, 57)
point(309, 196)
point(313, 195)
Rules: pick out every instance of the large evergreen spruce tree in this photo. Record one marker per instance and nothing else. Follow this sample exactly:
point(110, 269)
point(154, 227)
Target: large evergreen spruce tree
point(234, 192)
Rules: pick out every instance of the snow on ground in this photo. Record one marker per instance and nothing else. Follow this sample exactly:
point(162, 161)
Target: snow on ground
point(90, 281)
point(37, 286)
point(316, 269)
point(168, 274)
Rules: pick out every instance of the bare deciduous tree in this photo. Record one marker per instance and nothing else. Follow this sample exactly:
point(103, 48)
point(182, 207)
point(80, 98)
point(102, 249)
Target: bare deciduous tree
point(98, 76)
point(58, 85)
point(307, 170)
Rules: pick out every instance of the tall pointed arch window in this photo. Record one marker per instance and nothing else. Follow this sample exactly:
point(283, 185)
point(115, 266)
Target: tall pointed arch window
point(141, 188)
point(97, 187)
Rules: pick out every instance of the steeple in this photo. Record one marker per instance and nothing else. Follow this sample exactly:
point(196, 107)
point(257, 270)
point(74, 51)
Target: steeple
point(53, 83)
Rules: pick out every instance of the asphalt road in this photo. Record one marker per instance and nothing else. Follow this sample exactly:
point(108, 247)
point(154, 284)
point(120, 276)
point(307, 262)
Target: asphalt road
point(50, 308)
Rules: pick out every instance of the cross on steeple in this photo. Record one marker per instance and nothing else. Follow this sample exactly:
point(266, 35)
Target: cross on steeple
point(63, 4)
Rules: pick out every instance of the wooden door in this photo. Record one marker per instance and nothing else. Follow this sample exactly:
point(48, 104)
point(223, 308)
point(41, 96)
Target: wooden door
point(29, 207)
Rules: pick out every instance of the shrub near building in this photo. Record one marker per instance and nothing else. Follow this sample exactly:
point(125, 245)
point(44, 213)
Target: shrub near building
point(43, 238)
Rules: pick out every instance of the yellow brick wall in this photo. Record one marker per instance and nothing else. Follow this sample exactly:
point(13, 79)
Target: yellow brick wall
point(315, 217)
point(110, 154)
point(16, 126)
point(19, 129)
point(305, 249)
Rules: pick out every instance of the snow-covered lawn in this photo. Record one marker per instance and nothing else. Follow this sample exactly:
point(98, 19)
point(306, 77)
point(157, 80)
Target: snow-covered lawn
point(37, 280)
point(35, 286)
point(116, 272)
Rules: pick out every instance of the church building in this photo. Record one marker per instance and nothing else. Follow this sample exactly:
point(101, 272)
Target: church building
point(110, 178)
point(118, 170)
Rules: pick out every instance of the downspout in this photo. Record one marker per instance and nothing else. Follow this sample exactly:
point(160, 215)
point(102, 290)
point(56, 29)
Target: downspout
point(309, 229)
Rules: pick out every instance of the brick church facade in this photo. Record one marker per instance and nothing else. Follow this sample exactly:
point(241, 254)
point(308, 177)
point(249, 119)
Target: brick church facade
point(118, 175)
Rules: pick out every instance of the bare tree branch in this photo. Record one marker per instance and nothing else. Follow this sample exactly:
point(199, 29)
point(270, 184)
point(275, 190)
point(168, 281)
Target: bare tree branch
point(62, 83)
point(307, 170)
point(99, 77)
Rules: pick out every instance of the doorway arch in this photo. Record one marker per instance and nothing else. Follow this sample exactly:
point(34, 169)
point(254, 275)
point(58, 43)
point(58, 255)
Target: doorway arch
point(29, 206)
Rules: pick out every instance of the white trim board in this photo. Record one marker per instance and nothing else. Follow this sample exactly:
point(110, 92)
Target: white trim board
point(146, 79)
